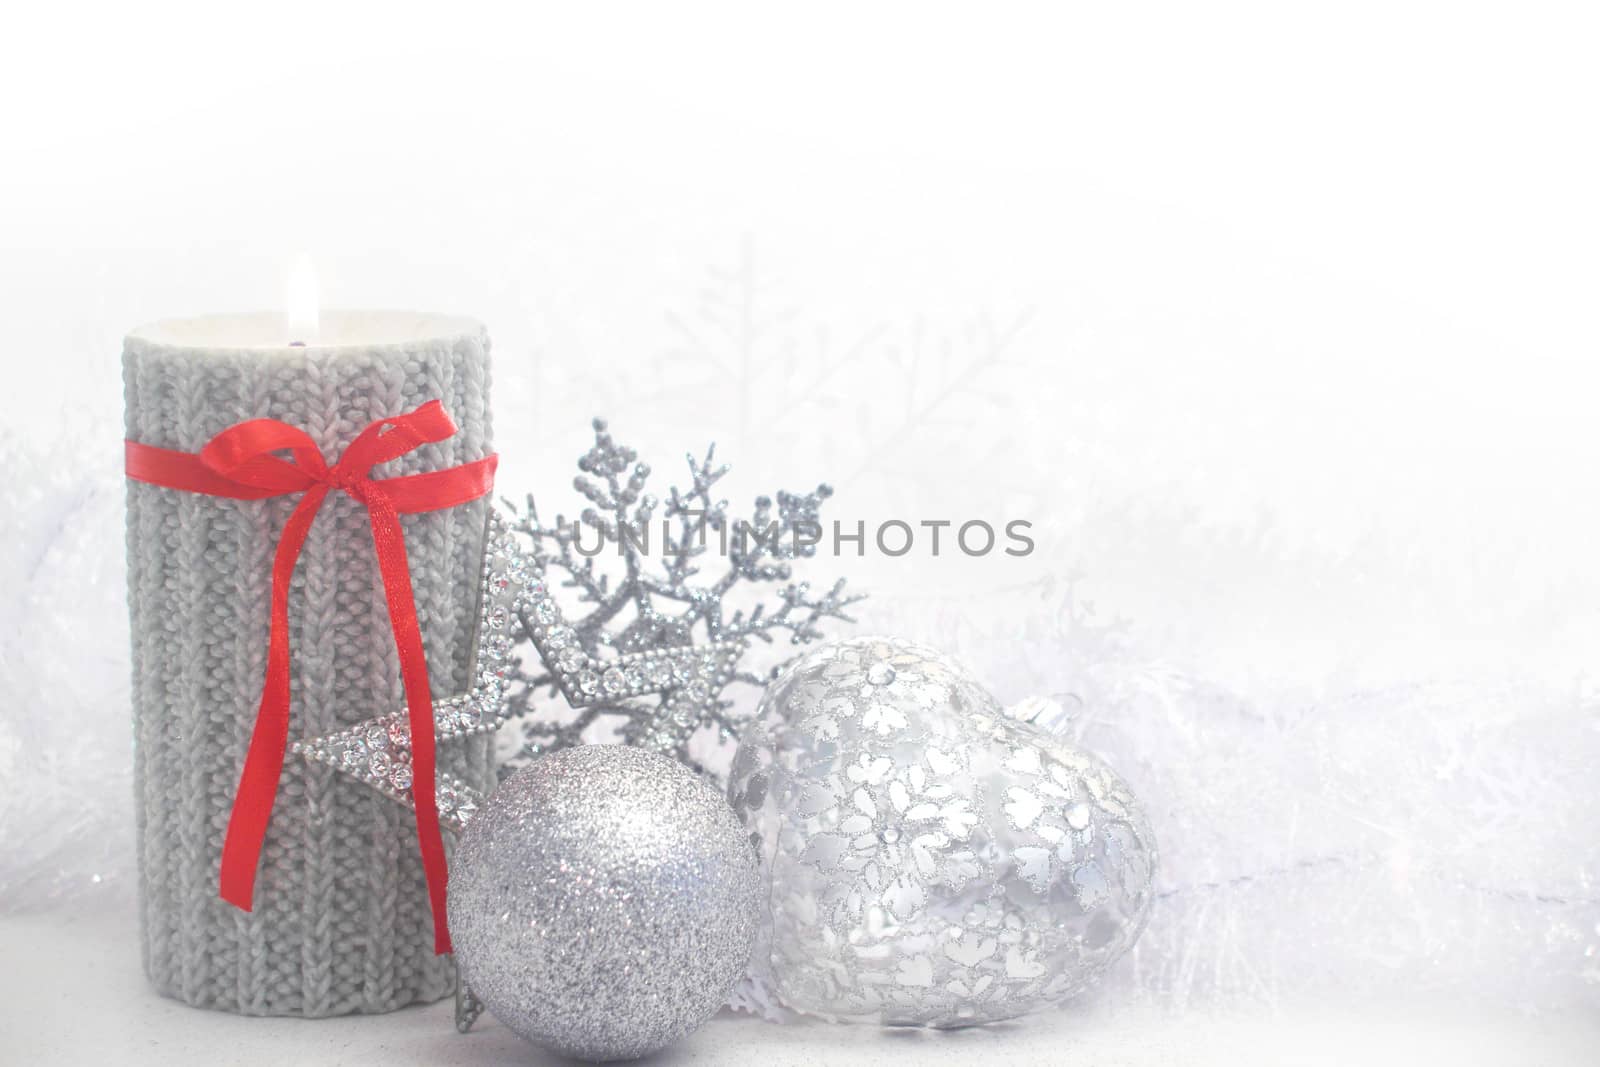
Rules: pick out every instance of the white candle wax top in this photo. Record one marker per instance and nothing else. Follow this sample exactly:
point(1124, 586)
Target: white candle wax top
point(337, 329)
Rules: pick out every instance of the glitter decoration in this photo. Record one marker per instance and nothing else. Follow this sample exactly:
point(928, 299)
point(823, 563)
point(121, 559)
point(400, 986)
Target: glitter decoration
point(377, 752)
point(663, 627)
point(934, 862)
point(604, 902)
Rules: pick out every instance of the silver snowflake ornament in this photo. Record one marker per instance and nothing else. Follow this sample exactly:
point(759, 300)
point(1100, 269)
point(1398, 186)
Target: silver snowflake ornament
point(666, 625)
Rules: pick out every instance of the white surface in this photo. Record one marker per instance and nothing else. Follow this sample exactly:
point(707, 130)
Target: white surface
point(73, 994)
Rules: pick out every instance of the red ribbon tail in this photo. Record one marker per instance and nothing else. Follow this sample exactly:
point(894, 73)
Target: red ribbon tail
point(247, 824)
point(269, 741)
point(389, 540)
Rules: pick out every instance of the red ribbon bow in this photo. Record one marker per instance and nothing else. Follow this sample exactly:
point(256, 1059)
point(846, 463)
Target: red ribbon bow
point(238, 463)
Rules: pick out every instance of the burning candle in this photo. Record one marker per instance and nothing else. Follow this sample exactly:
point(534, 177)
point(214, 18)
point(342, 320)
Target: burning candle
point(341, 920)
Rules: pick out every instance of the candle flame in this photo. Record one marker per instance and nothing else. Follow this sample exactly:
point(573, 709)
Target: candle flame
point(301, 303)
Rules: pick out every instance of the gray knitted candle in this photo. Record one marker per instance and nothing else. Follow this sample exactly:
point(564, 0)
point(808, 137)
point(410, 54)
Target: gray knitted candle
point(341, 920)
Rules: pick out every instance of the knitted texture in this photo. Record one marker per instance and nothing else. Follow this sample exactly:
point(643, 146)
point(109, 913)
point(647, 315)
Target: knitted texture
point(341, 921)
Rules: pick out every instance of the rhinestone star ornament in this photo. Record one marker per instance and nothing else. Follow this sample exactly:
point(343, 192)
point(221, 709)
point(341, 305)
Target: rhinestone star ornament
point(667, 623)
point(377, 752)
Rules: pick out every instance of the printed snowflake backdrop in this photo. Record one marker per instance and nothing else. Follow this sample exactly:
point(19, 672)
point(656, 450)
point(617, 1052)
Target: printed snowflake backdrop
point(1291, 372)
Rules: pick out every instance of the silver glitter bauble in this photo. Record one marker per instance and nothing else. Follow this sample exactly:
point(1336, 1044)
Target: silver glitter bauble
point(933, 862)
point(604, 902)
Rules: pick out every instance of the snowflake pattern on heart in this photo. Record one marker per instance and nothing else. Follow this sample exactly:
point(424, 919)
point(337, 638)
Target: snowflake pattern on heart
point(934, 862)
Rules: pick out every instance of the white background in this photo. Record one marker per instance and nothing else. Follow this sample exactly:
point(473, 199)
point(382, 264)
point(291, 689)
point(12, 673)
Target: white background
point(1323, 277)
point(1277, 321)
